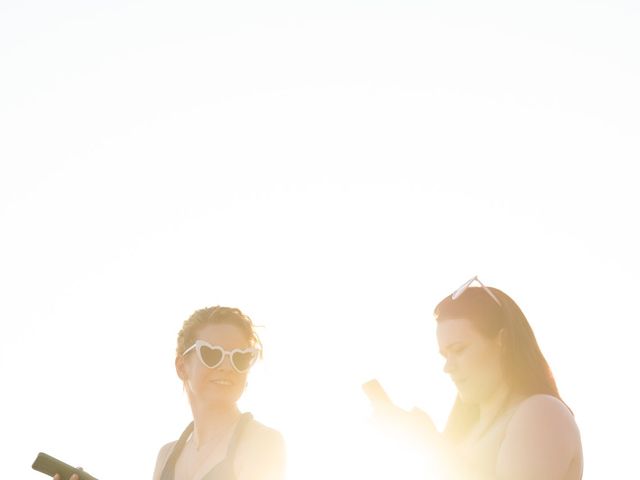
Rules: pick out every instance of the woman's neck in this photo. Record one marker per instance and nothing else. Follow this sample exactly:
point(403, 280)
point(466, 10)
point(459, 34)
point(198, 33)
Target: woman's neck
point(209, 423)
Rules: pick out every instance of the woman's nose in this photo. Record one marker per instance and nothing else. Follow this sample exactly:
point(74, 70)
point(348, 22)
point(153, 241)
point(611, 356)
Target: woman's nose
point(448, 366)
point(226, 363)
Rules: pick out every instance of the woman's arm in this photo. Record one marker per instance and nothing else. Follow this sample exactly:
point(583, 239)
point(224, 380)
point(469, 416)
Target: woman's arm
point(540, 443)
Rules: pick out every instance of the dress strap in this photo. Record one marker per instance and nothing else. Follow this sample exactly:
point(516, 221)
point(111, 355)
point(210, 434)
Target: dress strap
point(244, 419)
point(168, 472)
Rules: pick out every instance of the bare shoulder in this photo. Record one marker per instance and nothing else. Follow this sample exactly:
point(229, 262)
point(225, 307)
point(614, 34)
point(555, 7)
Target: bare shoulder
point(541, 411)
point(163, 454)
point(261, 453)
point(542, 440)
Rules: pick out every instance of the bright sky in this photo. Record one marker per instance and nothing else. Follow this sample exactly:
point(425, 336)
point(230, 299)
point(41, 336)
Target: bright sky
point(334, 170)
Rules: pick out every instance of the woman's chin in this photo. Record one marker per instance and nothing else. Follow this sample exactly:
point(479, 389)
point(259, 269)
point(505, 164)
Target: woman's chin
point(468, 396)
point(222, 401)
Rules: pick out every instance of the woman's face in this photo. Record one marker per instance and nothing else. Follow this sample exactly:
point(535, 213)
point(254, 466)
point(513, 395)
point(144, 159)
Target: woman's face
point(219, 386)
point(471, 359)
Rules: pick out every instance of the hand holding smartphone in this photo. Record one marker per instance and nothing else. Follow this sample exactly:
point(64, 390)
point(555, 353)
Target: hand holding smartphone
point(50, 466)
point(415, 425)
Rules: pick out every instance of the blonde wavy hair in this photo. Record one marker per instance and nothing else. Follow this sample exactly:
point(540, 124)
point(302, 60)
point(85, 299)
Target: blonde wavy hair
point(212, 316)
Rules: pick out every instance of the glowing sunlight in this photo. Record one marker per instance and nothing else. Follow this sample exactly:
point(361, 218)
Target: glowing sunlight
point(333, 169)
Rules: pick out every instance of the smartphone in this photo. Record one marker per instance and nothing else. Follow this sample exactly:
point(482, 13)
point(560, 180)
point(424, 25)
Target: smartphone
point(50, 465)
point(377, 395)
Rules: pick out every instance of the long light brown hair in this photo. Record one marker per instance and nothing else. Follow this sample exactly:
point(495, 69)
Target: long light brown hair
point(525, 369)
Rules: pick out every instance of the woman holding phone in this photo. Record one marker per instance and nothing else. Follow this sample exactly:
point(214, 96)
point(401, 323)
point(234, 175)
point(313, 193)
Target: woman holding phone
point(215, 350)
point(508, 421)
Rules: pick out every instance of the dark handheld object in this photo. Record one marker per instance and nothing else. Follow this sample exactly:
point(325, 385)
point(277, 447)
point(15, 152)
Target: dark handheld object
point(50, 465)
point(377, 395)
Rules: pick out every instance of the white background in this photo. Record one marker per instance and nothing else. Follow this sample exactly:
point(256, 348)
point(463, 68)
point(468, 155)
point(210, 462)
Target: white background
point(334, 169)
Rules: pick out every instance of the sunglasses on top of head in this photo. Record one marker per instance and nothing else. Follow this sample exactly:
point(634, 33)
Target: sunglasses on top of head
point(212, 356)
point(466, 285)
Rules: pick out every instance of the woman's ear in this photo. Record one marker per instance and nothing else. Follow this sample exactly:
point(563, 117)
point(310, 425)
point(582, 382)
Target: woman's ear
point(181, 368)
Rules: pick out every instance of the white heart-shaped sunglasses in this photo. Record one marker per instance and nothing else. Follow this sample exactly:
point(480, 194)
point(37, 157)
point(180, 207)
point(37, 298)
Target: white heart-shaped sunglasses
point(466, 285)
point(212, 356)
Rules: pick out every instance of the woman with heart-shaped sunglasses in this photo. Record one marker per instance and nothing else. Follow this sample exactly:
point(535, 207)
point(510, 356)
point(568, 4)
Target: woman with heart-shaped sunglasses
point(508, 421)
point(216, 348)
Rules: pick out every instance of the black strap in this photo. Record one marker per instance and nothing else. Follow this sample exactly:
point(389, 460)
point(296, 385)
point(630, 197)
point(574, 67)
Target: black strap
point(168, 473)
point(244, 419)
